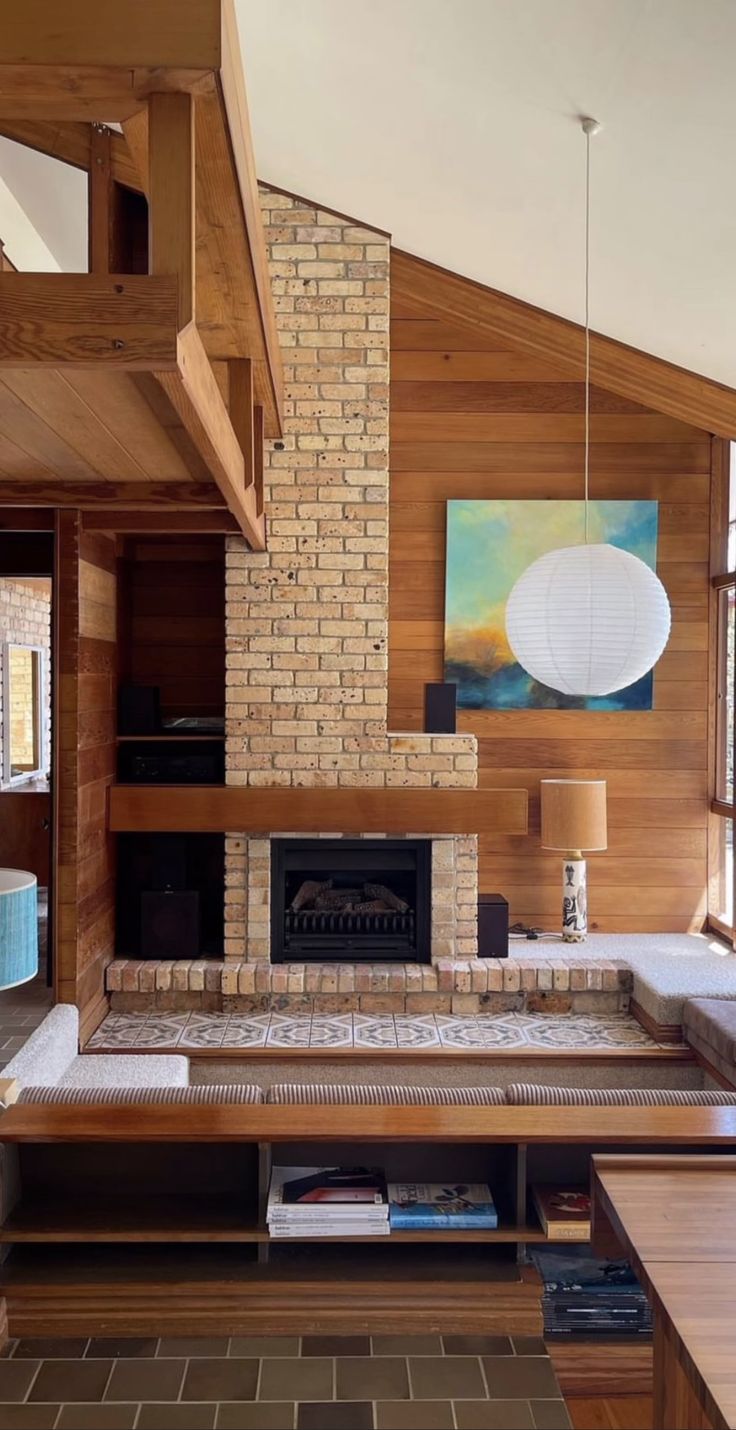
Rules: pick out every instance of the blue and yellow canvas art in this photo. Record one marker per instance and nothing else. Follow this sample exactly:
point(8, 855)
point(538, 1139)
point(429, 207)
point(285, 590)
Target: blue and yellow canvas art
point(489, 544)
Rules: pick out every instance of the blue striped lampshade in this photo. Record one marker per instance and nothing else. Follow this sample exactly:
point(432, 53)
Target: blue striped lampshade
point(18, 927)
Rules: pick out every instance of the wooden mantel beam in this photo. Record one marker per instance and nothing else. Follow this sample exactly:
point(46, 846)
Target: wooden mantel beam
point(214, 809)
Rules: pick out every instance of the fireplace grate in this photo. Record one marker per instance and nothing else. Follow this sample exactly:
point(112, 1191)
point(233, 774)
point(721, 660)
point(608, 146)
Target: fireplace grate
point(311, 921)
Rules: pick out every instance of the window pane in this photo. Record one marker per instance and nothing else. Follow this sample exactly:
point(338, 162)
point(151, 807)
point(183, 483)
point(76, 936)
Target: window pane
point(24, 712)
point(725, 714)
point(732, 509)
point(721, 881)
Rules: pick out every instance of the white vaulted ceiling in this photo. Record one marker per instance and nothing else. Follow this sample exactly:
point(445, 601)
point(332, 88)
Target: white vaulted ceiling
point(451, 123)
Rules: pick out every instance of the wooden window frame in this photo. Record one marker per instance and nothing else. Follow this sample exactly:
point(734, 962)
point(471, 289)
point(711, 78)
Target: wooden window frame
point(723, 579)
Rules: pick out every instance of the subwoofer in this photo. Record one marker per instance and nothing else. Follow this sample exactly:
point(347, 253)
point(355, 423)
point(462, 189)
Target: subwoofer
point(170, 924)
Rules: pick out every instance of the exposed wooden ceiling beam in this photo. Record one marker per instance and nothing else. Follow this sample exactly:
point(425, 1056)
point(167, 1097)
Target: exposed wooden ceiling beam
point(163, 498)
point(153, 34)
point(78, 319)
point(163, 522)
point(193, 392)
point(649, 380)
point(70, 141)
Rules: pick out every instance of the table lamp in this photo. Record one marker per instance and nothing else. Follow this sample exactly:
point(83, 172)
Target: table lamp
point(18, 927)
point(573, 820)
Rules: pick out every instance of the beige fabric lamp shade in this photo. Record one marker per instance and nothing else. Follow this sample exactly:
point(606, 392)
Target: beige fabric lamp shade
point(574, 814)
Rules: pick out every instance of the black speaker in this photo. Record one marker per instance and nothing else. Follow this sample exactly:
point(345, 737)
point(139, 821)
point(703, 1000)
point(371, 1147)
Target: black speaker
point(440, 708)
point(139, 710)
point(170, 924)
point(493, 926)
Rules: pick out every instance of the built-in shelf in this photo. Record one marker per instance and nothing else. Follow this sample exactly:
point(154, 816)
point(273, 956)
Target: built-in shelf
point(181, 1218)
point(168, 739)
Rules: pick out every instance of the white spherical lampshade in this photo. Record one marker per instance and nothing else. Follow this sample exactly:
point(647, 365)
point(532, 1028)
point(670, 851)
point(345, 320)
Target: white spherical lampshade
point(588, 620)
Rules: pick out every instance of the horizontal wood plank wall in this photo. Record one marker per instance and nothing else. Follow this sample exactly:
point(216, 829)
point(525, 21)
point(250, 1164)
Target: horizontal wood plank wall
point(86, 765)
point(173, 621)
point(473, 422)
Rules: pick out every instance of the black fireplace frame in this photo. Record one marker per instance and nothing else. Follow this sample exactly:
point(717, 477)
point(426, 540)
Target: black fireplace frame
point(347, 947)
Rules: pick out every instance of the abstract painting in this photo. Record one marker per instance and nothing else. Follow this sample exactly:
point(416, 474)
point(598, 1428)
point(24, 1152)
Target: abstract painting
point(489, 544)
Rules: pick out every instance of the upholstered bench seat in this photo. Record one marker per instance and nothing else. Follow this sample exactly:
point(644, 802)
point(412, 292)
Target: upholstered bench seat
point(127, 1070)
point(709, 1025)
point(238, 1092)
point(531, 1094)
point(49, 1058)
point(373, 1095)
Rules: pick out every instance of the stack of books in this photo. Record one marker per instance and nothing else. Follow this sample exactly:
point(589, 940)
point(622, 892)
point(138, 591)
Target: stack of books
point(435, 1206)
point(564, 1212)
point(327, 1201)
point(585, 1295)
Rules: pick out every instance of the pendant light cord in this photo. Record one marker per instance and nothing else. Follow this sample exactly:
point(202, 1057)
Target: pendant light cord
point(587, 325)
point(589, 127)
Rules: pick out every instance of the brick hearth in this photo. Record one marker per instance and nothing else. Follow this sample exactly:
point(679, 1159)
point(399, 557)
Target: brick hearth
point(463, 986)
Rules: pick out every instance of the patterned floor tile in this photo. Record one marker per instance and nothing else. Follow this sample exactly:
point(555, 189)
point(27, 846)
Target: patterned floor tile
point(246, 1032)
point(331, 1032)
point(162, 1030)
point(581, 1031)
point(285, 1032)
point(120, 1030)
point(417, 1032)
point(502, 1031)
point(459, 1032)
point(374, 1032)
point(204, 1030)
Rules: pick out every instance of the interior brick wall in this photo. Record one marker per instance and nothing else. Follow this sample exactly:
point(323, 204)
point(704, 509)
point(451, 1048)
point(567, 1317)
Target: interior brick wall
point(25, 619)
point(307, 621)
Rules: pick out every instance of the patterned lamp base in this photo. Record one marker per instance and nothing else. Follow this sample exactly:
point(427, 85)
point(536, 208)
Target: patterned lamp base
point(574, 898)
point(18, 927)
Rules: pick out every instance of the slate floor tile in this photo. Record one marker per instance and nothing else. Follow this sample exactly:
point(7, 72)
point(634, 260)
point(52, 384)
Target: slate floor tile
point(50, 1348)
point(29, 1417)
point(407, 1345)
point(256, 1415)
point(493, 1415)
point(113, 1347)
point(377, 1378)
point(215, 1378)
point(336, 1345)
point(64, 1380)
point(304, 1379)
point(271, 1346)
point(414, 1415)
point(353, 1415)
point(477, 1346)
point(448, 1378)
point(193, 1346)
point(109, 1416)
point(176, 1417)
point(550, 1415)
point(520, 1378)
point(145, 1379)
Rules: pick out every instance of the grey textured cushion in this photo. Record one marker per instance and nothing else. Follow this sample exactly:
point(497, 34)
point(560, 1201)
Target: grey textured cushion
point(713, 1022)
point(534, 1095)
point(48, 1053)
point(206, 1093)
point(374, 1095)
point(127, 1070)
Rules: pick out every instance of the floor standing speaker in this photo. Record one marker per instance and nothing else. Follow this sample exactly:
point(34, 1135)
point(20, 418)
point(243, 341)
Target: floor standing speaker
point(170, 924)
point(440, 708)
point(493, 926)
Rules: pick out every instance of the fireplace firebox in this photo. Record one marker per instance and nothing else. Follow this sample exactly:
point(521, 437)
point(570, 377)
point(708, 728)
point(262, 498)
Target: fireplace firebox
point(351, 900)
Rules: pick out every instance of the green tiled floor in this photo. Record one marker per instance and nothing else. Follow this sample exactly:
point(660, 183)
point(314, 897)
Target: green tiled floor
point(422, 1382)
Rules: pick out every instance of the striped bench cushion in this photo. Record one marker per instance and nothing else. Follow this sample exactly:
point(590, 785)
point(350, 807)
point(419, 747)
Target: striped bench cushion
point(532, 1094)
point(206, 1093)
point(371, 1095)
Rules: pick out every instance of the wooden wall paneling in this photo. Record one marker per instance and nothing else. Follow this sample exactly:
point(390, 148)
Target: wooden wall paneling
point(176, 631)
point(474, 418)
point(87, 680)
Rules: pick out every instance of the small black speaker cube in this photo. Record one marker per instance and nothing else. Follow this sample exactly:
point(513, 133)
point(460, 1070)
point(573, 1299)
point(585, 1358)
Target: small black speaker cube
point(440, 708)
point(493, 926)
point(170, 924)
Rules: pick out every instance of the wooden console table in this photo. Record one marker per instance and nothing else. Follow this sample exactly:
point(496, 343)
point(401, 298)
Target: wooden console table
point(148, 1219)
point(675, 1218)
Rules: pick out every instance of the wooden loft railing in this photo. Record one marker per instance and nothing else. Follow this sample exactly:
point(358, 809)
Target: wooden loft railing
point(147, 388)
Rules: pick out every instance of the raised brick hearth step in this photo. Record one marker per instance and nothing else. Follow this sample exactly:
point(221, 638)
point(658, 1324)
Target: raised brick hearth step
point(554, 985)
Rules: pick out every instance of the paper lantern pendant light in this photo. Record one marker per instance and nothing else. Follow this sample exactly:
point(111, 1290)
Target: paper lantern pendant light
point(589, 619)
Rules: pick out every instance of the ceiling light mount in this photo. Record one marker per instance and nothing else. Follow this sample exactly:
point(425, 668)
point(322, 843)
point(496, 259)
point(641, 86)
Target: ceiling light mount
point(589, 126)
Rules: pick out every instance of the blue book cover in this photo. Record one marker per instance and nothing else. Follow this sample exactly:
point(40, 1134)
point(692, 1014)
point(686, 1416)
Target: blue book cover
point(418, 1206)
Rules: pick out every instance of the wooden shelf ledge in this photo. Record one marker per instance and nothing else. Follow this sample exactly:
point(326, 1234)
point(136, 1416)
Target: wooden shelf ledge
point(221, 808)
